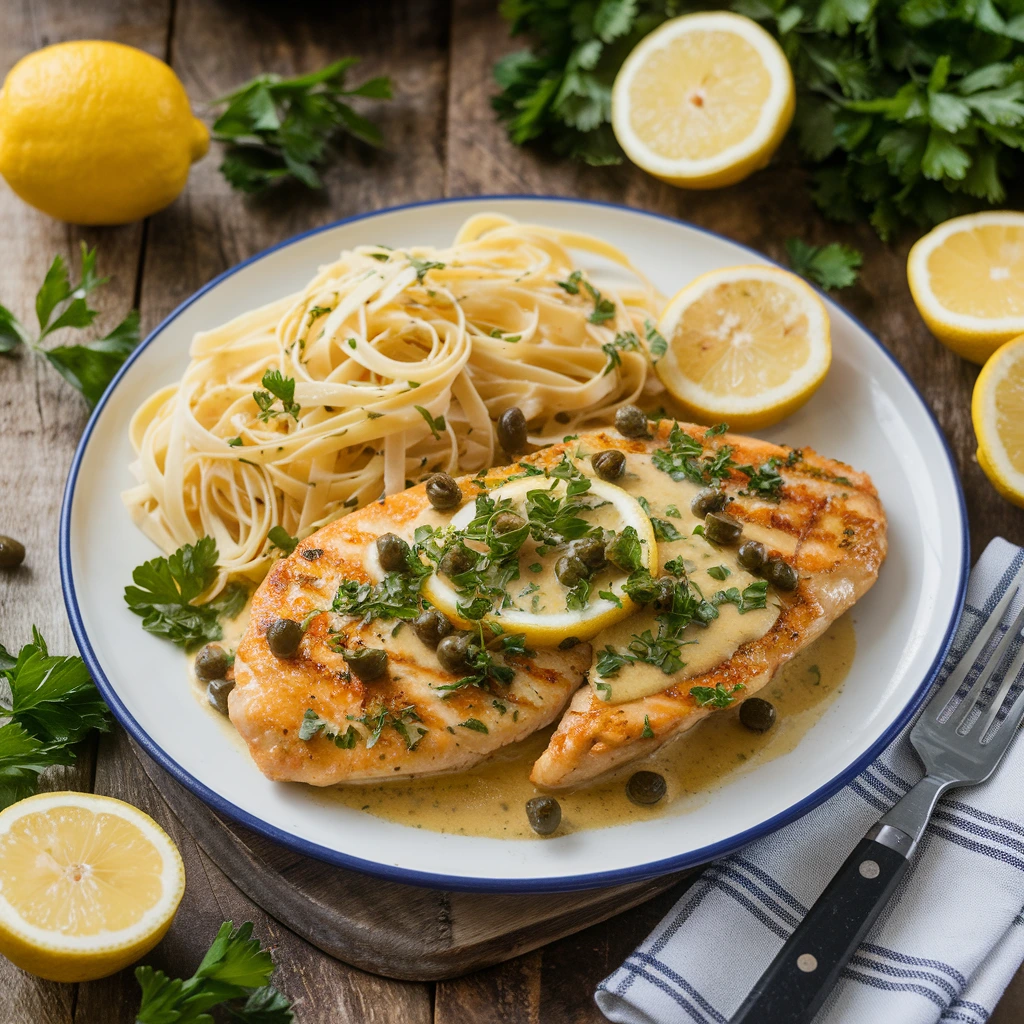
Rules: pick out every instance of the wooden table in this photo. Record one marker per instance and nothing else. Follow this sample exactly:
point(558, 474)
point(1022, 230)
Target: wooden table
point(442, 140)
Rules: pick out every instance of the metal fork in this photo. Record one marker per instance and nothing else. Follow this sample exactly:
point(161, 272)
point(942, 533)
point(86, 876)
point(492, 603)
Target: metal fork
point(960, 740)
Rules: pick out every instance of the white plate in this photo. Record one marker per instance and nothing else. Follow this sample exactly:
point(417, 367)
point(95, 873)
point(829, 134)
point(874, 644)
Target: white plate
point(867, 413)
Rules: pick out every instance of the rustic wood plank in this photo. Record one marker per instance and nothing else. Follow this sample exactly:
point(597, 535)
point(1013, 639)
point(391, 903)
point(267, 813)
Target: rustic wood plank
point(41, 417)
point(323, 991)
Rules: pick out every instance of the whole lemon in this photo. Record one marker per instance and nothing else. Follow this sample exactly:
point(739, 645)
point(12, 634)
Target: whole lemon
point(96, 133)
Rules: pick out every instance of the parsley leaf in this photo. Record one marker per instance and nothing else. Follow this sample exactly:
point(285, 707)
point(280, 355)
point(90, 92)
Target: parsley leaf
point(716, 696)
point(166, 588)
point(54, 704)
point(422, 267)
point(235, 969)
point(88, 366)
point(832, 266)
point(280, 128)
point(278, 387)
point(436, 423)
point(281, 538)
point(686, 459)
point(763, 482)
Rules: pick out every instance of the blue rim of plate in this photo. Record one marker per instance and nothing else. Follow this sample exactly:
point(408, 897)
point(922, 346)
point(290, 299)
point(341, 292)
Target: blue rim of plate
point(407, 876)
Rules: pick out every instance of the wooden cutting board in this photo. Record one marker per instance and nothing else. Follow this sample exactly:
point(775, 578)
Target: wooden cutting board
point(399, 931)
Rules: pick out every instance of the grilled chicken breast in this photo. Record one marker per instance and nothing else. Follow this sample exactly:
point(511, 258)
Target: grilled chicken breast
point(401, 725)
point(310, 719)
point(825, 521)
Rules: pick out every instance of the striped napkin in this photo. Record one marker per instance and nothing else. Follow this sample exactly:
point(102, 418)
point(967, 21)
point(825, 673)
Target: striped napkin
point(943, 950)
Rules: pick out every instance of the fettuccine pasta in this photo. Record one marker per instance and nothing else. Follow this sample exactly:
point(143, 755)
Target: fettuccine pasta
point(401, 360)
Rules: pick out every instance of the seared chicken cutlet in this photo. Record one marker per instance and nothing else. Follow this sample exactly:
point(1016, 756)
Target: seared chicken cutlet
point(309, 718)
point(813, 515)
point(694, 562)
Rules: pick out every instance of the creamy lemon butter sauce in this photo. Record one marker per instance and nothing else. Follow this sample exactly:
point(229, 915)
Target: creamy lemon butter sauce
point(489, 800)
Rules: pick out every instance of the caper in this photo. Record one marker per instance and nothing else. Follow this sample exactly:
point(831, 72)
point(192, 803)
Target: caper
point(12, 552)
point(507, 522)
point(454, 652)
point(512, 430)
point(609, 464)
point(751, 555)
point(645, 788)
point(443, 492)
point(284, 636)
point(456, 560)
point(392, 553)
point(780, 574)
point(211, 663)
point(590, 551)
point(217, 693)
point(710, 499)
point(570, 570)
point(757, 714)
point(544, 814)
point(631, 421)
point(366, 663)
point(431, 627)
point(721, 528)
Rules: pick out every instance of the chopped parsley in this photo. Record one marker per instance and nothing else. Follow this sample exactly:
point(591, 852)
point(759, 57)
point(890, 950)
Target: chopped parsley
point(436, 423)
point(624, 341)
point(396, 596)
point(753, 597)
point(648, 732)
point(279, 537)
point(685, 459)
point(423, 267)
point(656, 344)
point(280, 388)
point(316, 312)
point(716, 696)
point(313, 724)
point(379, 717)
point(719, 572)
point(475, 724)
point(763, 482)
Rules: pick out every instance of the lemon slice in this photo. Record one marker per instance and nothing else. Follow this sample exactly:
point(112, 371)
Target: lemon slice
point(967, 280)
point(997, 409)
point(746, 345)
point(703, 100)
point(548, 625)
point(88, 884)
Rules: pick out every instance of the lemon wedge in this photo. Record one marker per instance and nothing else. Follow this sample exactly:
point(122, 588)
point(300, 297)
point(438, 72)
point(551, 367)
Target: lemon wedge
point(997, 409)
point(967, 280)
point(704, 100)
point(88, 884)
point(746, 345)
point(550, 620)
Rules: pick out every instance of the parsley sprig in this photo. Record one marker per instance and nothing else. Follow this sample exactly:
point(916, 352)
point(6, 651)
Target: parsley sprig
point(88, 366)
point(832, 266)
point(166, 589)
point(909, 111)
point(278, 388)
point(54, 705)
point(279, 128)
point(234, 975)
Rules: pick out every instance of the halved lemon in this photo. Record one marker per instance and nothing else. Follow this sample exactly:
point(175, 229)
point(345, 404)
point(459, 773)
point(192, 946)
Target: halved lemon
point(746, 345)
point(997, 410)
point(967, 280)
point(88, 884)
point(704, 100)
point(548, 626)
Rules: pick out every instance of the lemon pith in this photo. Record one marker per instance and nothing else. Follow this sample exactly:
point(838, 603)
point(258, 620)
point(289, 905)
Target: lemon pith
point(746, 345)
point(966, 277)
point(549, 627)
point(704, 100)
point(997, 411)
point(95, 132)
point(88, 884)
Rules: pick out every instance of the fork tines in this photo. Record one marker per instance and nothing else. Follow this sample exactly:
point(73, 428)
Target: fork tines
point(985, 660)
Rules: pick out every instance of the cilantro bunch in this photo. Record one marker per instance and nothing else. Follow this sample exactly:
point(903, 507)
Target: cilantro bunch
point(53, 705)
point(88, 366)
point(909, 111)
point(278, 128)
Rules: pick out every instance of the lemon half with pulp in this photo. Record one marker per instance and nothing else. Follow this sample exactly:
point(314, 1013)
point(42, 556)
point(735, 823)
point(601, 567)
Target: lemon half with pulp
point(704, 100)
point(997, 409)
point(746, 345)
point(88, 884)
point(548, 625)
point(967, 280)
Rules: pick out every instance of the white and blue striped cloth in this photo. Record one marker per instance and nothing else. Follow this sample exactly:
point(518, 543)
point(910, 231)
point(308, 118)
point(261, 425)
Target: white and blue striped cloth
point(943, 950)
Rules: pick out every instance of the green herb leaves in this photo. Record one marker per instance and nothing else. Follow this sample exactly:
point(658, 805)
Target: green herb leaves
point(910, 111)
point(716, 696)
point(165, 589)
point(88, 366)
point(54, 704)
point(435, 423)
point(282, 539)
point(686, 459)
point(831, 266)
point(280, 388)
point(234, 975)
point(279, 128)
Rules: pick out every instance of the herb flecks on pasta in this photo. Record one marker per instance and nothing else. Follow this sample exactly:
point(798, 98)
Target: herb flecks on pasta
point(480, 326)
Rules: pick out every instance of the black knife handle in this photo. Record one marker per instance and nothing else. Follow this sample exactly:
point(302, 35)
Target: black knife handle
point(797, 981)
